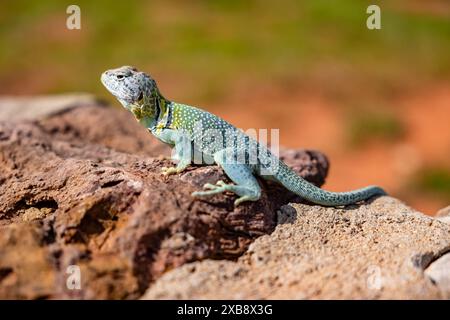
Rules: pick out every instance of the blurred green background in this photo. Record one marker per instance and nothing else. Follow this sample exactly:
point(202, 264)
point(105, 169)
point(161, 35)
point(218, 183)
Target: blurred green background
point(265, 63)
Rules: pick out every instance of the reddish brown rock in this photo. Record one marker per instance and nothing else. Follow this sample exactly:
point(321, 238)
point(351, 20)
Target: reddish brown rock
point(83, 187)
point(380, 249)
point(26, 269)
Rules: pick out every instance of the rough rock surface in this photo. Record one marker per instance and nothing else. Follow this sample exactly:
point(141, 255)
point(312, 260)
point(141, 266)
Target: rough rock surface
point(439, 273)
point(81, 185)
point(444, 214)
point(377, 250)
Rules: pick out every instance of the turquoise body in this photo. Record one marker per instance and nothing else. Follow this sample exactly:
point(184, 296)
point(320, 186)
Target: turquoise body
point(241, 157)
point(203, 138)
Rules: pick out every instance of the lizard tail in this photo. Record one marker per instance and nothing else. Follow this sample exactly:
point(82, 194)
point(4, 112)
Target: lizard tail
point(293, 182)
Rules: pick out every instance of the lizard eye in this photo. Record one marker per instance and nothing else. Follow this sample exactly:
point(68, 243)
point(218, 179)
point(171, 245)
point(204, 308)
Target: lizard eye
point(119, 76)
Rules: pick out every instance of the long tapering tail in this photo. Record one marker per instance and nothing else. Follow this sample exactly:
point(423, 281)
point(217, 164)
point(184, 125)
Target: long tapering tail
point(290, 180)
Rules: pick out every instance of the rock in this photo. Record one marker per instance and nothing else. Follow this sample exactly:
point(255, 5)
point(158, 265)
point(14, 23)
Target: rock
point(439, 273)
point(444, 214)
point(26, 271)
point(377, 250)
point(81, 187)
point(310, 164)
point(35, 107)
point(102, 125)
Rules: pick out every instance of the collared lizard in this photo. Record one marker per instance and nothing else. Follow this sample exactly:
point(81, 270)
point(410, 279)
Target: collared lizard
point(190, 130)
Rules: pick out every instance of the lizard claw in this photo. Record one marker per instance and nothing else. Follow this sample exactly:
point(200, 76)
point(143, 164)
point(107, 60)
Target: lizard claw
point(169, 171)
point(210, 186)
point(220, 183)
point(238, 201)
point(211, 189)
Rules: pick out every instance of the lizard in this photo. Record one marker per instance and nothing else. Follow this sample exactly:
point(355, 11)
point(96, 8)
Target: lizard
point(186, 129)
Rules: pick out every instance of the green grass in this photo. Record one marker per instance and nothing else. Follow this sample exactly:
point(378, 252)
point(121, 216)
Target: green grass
point(434, 181)
point(214, 42)
point(369, 125)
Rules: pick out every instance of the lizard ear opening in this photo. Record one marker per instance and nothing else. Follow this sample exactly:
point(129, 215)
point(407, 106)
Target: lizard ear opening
point(141, 96)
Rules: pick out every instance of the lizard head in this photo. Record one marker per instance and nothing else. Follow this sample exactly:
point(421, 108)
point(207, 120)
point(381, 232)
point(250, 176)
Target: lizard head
point(128, 85)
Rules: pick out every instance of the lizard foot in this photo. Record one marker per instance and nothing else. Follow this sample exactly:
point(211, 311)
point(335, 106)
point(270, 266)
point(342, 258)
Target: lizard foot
point(242, 199)
point(220, 186)
point(169, 171)
point(212, 189)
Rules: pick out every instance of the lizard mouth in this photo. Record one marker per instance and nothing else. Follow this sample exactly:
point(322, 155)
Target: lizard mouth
point(103, 78)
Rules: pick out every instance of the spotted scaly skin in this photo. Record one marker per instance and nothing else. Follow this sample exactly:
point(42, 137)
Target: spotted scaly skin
point(197, 135)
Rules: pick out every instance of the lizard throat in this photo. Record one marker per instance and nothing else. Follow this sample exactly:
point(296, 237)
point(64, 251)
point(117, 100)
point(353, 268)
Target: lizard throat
point(149, 110)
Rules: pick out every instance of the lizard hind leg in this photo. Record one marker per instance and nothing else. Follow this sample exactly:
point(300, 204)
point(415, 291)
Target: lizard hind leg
point(246, 186)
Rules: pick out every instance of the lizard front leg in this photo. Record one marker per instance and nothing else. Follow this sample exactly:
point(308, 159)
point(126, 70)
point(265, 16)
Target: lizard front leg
point(180, 151)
